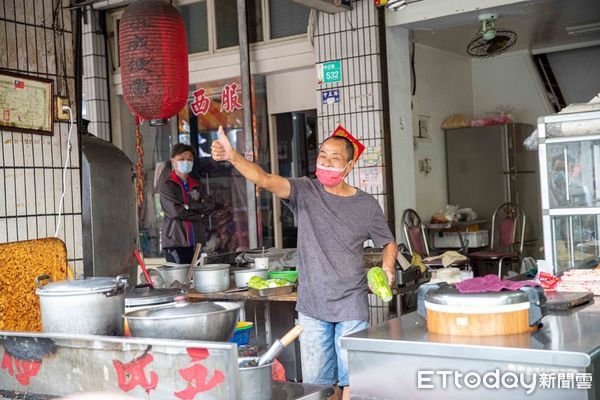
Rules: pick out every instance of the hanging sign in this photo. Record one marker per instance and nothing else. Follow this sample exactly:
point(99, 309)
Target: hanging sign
point(330, 96)
point(329, 72)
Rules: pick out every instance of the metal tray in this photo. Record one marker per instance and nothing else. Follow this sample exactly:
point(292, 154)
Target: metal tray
point(272, 291)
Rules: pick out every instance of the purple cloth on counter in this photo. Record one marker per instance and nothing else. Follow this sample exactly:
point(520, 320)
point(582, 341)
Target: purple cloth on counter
point(490, 283)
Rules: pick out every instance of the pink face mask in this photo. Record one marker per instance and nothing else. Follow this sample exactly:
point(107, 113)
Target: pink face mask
point(330, 176)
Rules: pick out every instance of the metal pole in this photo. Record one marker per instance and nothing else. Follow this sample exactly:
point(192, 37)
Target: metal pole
point(247, 103)
point(387, 138)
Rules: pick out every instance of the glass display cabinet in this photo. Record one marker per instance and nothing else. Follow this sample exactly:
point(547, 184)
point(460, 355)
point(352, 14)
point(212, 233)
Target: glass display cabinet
point(569, 154)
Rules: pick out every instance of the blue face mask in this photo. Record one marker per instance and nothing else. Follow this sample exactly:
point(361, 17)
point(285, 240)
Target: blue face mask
point(184, 167)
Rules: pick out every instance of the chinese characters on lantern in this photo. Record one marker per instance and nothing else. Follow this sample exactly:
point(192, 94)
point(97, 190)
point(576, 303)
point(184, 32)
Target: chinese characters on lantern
point(200, 105)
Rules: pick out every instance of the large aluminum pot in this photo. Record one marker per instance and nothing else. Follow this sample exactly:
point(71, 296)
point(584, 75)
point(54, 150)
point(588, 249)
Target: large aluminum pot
point(173, 274)
point(89, 306)
point(255, 382)
point(211, 278)
point(211, 321)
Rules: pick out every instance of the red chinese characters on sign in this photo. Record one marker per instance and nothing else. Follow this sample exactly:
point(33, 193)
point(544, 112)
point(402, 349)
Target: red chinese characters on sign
point(229, 99)
point(196, 376)
point(22, 370)
point(132, 374)
point(201, 103)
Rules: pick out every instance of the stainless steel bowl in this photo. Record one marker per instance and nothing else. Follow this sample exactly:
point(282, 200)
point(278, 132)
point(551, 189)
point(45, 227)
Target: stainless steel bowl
point(211, 321)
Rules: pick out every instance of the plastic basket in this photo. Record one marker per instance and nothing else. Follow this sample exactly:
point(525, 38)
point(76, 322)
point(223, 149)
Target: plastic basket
point(290, 276)
point(242, 332)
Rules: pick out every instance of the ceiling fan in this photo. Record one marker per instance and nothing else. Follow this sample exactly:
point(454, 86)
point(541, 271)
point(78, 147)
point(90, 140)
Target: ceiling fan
point(489, 40)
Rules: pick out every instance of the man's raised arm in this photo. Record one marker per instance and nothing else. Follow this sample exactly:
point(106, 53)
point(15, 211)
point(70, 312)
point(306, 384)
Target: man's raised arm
point(222, 150)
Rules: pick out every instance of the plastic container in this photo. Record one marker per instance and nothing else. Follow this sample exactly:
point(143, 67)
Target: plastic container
point(242, 332)
point(290, 276)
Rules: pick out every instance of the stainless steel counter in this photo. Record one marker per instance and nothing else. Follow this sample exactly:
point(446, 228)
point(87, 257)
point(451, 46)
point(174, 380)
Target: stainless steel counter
point(280, 391)
point(299, 391)
point(385, 360)
point(40, 366)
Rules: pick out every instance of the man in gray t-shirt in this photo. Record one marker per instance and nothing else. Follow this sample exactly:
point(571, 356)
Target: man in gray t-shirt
point(334, 221)
point(331, 232)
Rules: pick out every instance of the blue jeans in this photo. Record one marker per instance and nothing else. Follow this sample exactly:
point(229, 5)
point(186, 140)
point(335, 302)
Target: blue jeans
point(324, 362)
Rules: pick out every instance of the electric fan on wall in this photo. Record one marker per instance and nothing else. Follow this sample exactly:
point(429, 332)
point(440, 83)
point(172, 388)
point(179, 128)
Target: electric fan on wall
point(489, 41)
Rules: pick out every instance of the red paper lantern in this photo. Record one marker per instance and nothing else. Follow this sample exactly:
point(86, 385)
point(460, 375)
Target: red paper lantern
point(154, 60)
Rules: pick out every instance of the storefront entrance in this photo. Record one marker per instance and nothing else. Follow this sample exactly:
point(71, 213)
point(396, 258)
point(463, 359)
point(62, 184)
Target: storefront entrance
point(296, 156)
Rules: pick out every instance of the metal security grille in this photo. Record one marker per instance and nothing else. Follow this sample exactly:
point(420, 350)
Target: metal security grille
point(95, 74)
point(352, 37)
point(36, 40)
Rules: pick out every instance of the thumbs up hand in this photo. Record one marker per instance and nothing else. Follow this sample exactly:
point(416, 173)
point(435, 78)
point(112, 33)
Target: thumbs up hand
point(221, 149)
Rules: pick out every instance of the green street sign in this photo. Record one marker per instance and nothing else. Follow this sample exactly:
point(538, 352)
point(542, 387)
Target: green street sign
point(329, 72)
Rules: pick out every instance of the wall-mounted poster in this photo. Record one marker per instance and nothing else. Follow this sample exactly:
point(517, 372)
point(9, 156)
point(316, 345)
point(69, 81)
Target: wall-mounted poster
point(25, 103)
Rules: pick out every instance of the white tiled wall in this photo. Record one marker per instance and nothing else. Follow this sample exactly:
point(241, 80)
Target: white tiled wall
point(352, 37)
point(95, 77)
point(31, 164)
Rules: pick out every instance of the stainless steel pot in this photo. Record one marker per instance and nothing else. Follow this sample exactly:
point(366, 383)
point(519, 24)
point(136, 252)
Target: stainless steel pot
point(211, 278)
point(174, 273)
point(255, 382)
point(90, 306)
point(212, 321)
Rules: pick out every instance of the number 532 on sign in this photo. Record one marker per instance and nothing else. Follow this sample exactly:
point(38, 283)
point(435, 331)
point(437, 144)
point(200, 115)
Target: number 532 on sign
point(329, 72)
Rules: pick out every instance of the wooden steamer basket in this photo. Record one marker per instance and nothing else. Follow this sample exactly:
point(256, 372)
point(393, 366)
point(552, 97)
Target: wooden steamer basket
point(450, 312)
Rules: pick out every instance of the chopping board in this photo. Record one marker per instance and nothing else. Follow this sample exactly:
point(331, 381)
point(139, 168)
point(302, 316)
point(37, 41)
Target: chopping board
point(562, 301)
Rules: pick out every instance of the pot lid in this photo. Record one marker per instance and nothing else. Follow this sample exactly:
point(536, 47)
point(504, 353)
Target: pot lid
point(450, 296)
point(81, 286)
point(177, 310)
point(211, 267)
point(142, 296)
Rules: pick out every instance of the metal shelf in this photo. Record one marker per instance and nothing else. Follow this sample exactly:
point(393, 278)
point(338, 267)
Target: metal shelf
point(571, 232)
point(571, 117)
point(569, 139)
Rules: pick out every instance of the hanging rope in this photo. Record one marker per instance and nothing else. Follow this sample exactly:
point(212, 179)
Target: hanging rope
point(139, 166)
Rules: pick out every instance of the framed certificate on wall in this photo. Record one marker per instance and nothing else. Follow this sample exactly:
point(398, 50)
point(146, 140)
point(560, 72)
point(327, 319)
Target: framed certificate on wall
point(26, 103)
